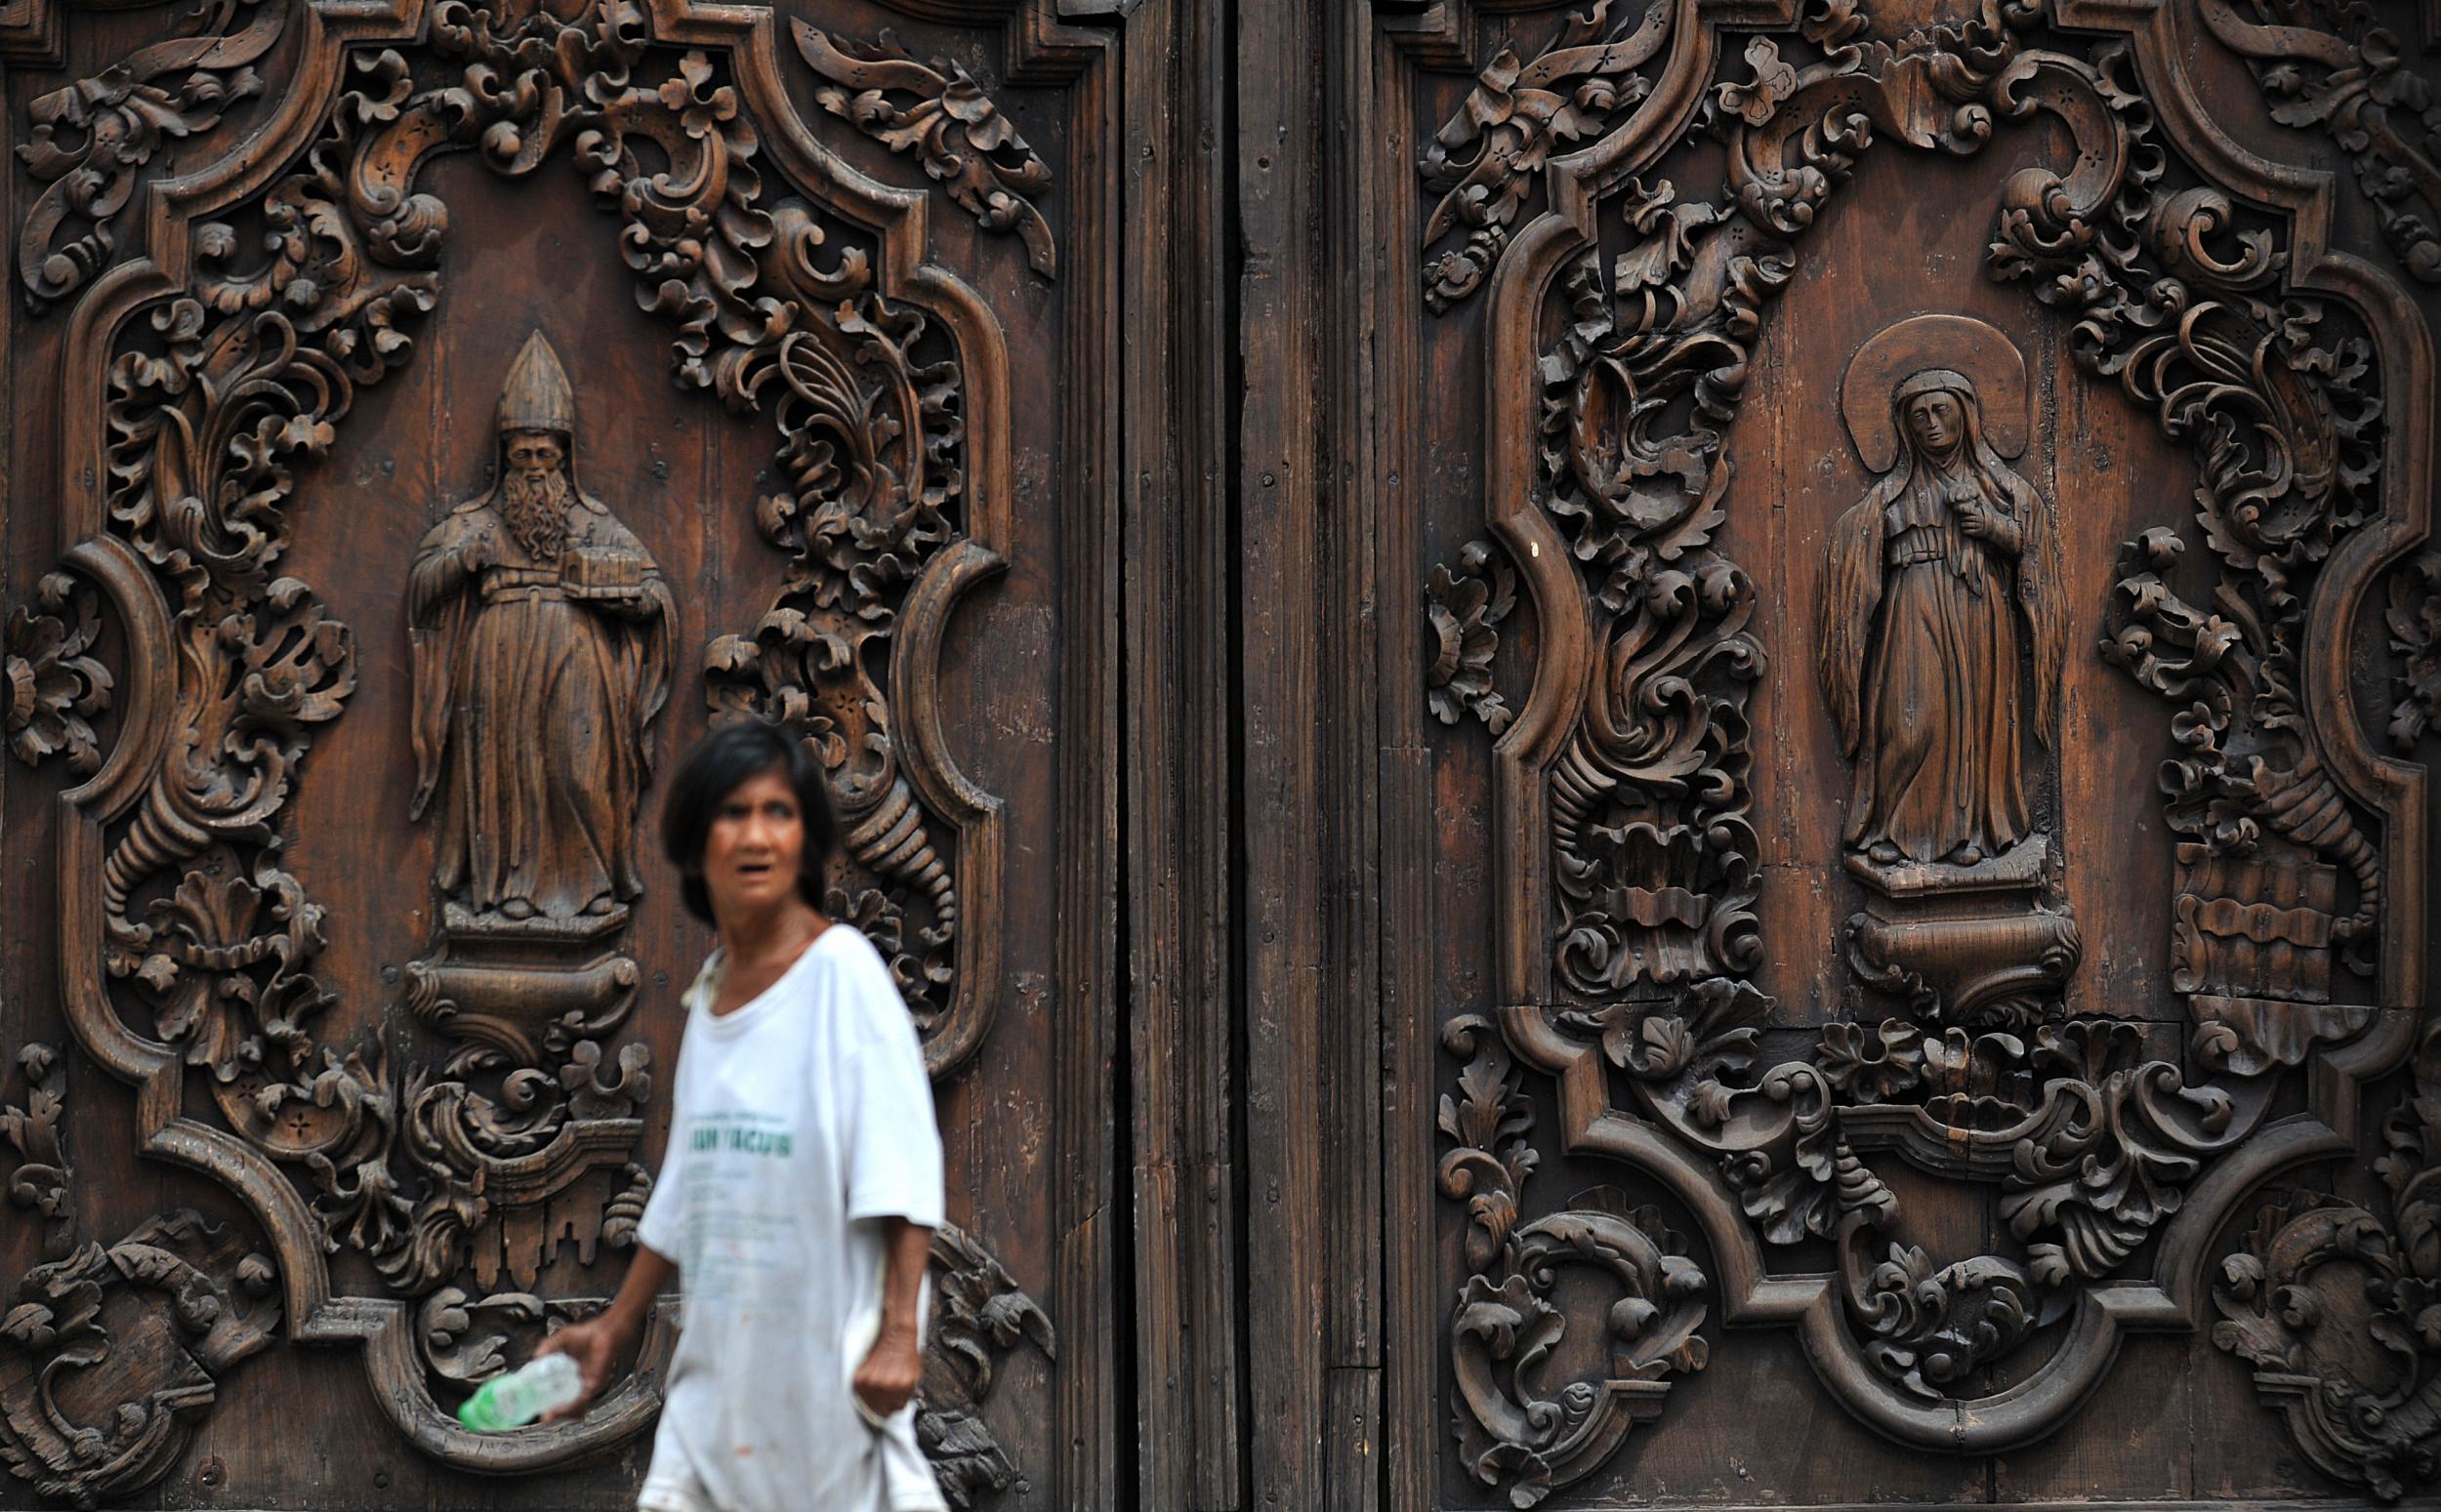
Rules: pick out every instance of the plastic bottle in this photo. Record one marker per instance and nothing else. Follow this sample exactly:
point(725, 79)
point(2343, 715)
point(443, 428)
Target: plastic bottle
point(543, 1385)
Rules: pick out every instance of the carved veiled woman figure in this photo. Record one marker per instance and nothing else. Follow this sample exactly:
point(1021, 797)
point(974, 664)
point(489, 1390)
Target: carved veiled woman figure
point(1934, 582)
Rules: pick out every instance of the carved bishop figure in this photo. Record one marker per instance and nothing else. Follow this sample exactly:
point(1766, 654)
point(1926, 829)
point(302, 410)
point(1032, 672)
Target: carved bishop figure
point(540, 630)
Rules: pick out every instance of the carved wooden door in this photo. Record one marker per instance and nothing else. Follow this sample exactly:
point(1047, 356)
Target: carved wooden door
point(425, 418)
point(1907, 960)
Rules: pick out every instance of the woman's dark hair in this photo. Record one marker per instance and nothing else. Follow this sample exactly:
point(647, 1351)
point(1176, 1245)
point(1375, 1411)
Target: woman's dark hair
point(713, 770)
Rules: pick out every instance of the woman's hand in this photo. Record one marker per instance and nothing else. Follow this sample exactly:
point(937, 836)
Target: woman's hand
point(1973, 518)
point(595, 1345)
point(890, 1371)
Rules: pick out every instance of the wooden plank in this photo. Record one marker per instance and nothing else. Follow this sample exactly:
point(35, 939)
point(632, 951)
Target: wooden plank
point(1281, 488)
point(1176, 552)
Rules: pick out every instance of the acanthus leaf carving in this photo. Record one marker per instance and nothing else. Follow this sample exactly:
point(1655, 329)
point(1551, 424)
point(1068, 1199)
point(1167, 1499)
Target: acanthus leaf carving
point(2092, 1140)
point(1465, 610)
point(55, 688)
point(1484, 161)
point(2414, 617)
point(91, 139)
point(965, 141)
point(462, 1178)
point(2329, 63)
point(1517, 1431)
point(43, 1182)
point(148, 1324)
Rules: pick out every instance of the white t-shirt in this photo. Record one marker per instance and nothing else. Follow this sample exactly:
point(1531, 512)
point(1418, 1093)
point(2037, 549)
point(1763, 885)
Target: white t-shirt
point(800, 1116)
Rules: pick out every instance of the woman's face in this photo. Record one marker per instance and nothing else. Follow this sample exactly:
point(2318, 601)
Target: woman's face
point(1938, 421)
point(756, 844)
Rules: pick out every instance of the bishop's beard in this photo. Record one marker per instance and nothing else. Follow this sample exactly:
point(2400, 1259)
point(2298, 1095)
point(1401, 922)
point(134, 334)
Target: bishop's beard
point(536, 512)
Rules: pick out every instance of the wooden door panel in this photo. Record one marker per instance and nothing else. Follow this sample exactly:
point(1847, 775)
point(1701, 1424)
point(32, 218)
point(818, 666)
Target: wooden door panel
point(1926, 920)
point(342, 962)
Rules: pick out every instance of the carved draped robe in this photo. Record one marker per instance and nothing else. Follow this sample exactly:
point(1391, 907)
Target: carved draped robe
point(1922, 629)
point(532, 712)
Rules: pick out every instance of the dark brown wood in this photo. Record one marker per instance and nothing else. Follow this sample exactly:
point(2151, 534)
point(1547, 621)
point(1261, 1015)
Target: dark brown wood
point(1662, 752)
point(253, 253)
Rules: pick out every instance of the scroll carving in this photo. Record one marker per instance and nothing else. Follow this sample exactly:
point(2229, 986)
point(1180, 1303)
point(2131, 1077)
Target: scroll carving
point(91, 139)
point(1629, 767)
point(2327, 63)
point(952, 127)
point(149, 1323)
point(461, 1179)
point(1516, 1431)
point(55, 689)
point(1485, 159)
point(2332, 1305)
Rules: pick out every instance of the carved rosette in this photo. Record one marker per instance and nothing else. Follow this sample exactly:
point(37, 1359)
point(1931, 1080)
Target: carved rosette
point(1625, 780)
point(794, 295)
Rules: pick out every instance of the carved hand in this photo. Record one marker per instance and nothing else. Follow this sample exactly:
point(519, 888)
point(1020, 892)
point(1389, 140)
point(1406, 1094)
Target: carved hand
point(1973, 518)
point(890, 1373)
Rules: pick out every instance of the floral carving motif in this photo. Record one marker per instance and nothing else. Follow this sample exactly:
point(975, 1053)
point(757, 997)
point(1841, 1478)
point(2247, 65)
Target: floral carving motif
point(91, 139)
point(43, 1181)
point(449, 1177)
point(2329, 63)
point(964, 140)
point(54, 690)
point(1486, 158)
point(1507, 1324)
point(1465, 610)
point(2415, 621)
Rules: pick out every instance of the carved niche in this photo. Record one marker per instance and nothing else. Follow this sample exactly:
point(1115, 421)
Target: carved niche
point(1622, 316)
point(276, 282)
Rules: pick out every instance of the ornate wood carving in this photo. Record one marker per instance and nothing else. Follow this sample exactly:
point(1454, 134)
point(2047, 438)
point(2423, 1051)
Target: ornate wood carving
point(953, 128)
point(980, 1317)
point(2415, 621)
point(1516, 1432)
point(55, 691)
point(1628, 860)
point(2327, 63)
point(160, 1316)
point(1934, 578)
point(2332, 1305)
point(92, 140)
point(224, 370)
point(536, 587)
point(1465, 610)
point(43, 1181)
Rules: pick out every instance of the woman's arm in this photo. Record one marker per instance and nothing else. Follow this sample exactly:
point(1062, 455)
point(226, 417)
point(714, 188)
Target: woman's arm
point(895, 1367)
point(598, 1343)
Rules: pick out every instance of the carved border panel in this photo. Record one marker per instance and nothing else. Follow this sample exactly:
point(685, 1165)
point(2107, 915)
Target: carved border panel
point(213, 371)
point(1624, 834)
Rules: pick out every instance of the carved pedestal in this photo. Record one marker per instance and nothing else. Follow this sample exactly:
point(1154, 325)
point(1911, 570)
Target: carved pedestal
point(1972, 946)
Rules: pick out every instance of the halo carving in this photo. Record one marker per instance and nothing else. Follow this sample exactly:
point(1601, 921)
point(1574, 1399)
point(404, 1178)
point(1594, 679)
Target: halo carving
point(1960, 342)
